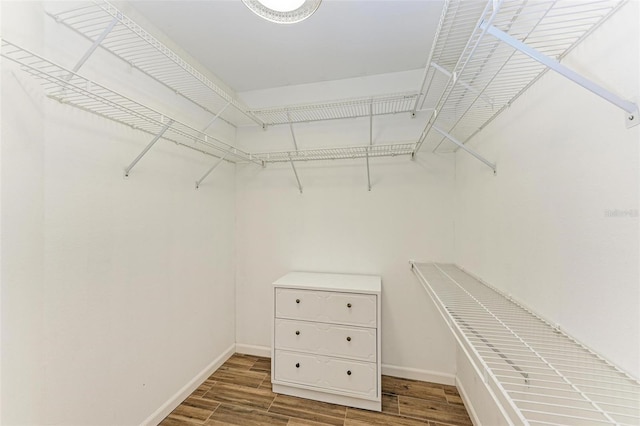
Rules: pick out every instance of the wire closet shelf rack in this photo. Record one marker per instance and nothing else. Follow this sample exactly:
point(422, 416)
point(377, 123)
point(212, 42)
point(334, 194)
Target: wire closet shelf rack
point(541, 374)
point(471, 75)
point(124, 38)
point(338, 153)
point(116, 32)
point(345, 108)
point(486, 73)
point(72, 89)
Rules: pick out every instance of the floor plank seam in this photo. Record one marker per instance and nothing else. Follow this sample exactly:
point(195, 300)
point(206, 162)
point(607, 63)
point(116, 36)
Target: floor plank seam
point(271, 405)
point(416, 402)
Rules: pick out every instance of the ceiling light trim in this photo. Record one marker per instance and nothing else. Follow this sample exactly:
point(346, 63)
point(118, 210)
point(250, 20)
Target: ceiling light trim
point(291, 17)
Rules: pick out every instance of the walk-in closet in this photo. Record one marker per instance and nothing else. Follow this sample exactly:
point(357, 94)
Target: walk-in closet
point(311, 212)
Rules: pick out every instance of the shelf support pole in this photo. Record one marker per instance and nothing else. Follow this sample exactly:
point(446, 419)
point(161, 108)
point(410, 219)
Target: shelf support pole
point(467, 86)
point(293, 135)
point(466, 148)
point(95, 45)
point(212, 168)
point(630, 107)
point(422, 95)
point(370, 144)
point(213, 120)
point(147, 148)
point(295, 144)
point(295, 172)
point(495, 7)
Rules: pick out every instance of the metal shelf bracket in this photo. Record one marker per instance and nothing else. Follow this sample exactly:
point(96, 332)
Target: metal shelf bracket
point(295, 172)
point(212, 168)
point(295, 144)
point(630, 108)
point(467, 86)
point(147, 148)
point(443, 16)
point(215, 117)
point(95, 45)
point(466, 148)
point(89, 52)
point(141, 50)
point(370, 144)
point(633, 119)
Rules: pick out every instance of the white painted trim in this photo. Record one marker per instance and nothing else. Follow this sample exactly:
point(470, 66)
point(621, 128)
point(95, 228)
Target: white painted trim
point(255, 350)
point(166, 408)
point(467, 403)
point(417, 374)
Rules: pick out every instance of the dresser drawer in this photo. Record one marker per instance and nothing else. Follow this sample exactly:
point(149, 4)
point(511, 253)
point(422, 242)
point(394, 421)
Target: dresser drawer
point(326, 339)
point(351, 377)
point(326, 306)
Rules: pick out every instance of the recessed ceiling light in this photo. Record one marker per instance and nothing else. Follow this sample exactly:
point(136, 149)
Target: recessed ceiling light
point(282, 5)
point(283, 11)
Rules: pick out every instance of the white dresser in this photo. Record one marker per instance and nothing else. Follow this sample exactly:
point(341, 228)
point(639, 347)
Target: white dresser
point(326, 338)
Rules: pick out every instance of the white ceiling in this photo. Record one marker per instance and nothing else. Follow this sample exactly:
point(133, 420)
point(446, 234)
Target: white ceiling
point(343, 39)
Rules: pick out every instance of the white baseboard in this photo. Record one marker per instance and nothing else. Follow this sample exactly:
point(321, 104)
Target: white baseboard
point(166, 408)
point(255, 350)
point(467, 403)
point(417, 374)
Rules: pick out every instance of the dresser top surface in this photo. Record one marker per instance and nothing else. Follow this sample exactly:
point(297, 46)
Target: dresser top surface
point(334, 282)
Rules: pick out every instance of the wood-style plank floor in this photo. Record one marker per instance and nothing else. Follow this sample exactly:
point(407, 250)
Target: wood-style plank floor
point(239, 393)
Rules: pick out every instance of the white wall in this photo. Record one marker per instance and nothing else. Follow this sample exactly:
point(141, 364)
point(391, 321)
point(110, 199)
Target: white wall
point(115, 293)
point(22, 260)
point(539, 229)
point(123, 290)
point(336, 225)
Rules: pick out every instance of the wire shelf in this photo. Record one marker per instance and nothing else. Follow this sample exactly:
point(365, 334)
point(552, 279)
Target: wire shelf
point(337, 153)
point(348, 108)
point(470, 78)
point(142, 51)
point(547, 376)
point(70, 88)
point(489, 74)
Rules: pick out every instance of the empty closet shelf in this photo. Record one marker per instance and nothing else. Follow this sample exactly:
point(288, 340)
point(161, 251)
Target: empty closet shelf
point(539, 374)
point(133, 44)
point(72, 89)
point(483, 73)
point(346, 108)
point(337, 153)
